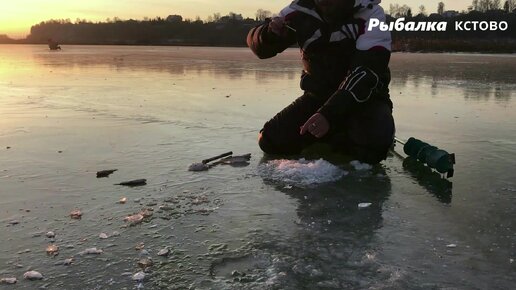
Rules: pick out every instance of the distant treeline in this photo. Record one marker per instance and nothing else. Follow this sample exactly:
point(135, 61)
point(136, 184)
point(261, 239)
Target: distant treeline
point(231, 30)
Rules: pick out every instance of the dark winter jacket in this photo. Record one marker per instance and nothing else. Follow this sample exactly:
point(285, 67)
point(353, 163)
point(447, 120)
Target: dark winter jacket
point(344, 63)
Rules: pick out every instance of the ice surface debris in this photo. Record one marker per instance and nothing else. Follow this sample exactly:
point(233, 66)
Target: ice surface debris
point(301, 172)
point(33, 275)
point(359, 166)
point(364, 205)
point(8, 281)
point(140, 276)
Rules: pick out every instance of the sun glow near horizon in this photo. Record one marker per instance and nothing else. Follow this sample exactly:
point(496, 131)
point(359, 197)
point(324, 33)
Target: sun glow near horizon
point(17, 17)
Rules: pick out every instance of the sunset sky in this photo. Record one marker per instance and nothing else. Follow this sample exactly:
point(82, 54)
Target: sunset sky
point(16, 17)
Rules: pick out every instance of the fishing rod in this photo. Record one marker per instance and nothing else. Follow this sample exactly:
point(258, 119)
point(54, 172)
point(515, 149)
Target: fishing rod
point(433, 157)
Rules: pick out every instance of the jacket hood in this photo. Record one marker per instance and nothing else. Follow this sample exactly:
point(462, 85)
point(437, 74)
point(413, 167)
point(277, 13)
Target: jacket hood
point(361, 4)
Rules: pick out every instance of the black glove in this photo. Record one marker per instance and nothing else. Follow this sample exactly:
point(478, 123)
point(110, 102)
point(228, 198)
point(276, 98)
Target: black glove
point(357, 88)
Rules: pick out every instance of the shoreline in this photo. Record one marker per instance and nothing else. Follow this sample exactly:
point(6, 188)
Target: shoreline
point(422, 51)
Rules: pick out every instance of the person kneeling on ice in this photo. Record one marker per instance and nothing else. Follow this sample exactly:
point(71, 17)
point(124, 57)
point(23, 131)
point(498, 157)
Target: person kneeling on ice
point(346, 100)
point(53, 45)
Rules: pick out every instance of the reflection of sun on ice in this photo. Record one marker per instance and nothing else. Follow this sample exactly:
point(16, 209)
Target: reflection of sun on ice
point(15, 64)
point(5, 68)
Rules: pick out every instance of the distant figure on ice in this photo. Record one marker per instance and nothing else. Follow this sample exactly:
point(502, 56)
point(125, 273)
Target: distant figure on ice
point(53, 45)
point(346, 100)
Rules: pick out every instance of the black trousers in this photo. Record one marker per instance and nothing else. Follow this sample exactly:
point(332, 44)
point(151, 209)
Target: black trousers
point(366, 134)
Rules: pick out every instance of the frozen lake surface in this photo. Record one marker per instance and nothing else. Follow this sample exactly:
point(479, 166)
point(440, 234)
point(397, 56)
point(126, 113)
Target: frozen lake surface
point(150, 112)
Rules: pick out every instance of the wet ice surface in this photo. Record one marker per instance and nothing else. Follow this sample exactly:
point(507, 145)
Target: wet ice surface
point(150, 112)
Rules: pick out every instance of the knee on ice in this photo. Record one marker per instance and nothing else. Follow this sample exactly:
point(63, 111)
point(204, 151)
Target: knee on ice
point(265, 144)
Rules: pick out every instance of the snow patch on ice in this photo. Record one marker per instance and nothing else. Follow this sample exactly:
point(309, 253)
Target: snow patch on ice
point(301, 172)
point(364, 205)
point(359, 166)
